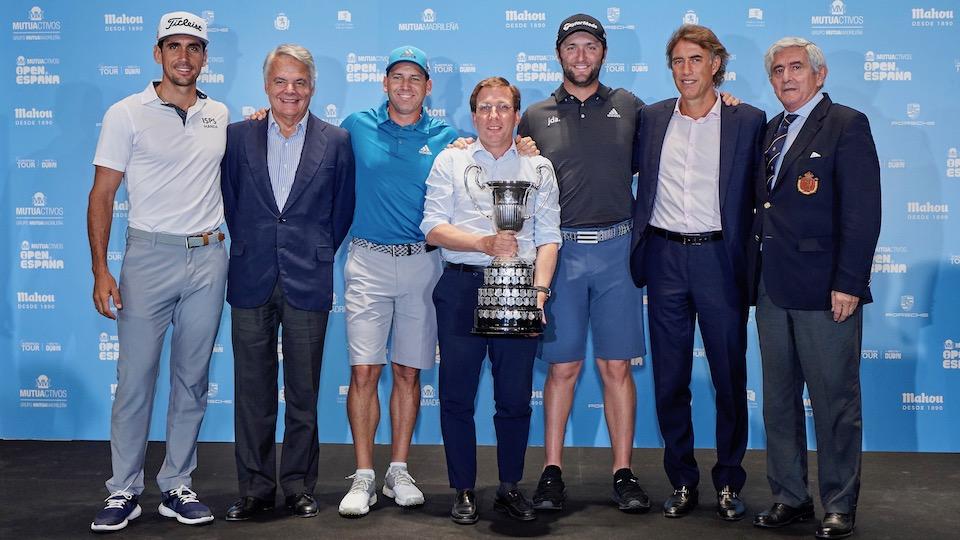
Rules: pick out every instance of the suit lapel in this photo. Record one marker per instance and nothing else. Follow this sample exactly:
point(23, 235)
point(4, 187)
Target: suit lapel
point(729, 131)
point(314, 144)
point(662, 121)
point(807, 132)
point(256, 143)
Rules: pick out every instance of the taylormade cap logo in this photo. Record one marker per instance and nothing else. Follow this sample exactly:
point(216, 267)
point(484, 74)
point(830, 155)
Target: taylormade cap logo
point(573, 24)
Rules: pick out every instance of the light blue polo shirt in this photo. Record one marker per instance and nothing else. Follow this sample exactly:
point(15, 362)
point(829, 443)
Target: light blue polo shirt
point(393, 163)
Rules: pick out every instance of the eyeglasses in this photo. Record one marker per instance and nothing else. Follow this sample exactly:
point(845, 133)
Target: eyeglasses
point(488, 108)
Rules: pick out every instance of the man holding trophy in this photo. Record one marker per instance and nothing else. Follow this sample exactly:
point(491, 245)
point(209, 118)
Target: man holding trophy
point(493, 213)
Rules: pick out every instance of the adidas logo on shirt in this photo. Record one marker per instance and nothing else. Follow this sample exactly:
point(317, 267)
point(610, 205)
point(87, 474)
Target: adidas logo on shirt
point(552, 120)
point(426, 151)
point(613, 113)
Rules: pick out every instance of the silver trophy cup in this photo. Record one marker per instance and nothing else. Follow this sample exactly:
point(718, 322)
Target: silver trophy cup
point(507, 301)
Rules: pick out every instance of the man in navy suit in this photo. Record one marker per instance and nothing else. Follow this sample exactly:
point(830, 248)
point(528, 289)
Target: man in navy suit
point(288, 194)
point(697, 160)
point(816, 229)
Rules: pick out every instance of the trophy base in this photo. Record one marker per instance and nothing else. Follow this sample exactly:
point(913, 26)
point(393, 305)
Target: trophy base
point(508, 330)
point(507, 301)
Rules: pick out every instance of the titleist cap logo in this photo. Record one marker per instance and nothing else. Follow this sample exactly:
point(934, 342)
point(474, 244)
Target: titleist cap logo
point(182, 21)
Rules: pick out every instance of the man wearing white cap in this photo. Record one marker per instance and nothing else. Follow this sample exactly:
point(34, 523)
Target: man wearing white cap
point(166, 142)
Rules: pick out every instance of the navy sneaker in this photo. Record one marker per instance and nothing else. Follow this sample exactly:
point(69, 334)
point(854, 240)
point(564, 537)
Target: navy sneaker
point(182, 503)
point(121, 507)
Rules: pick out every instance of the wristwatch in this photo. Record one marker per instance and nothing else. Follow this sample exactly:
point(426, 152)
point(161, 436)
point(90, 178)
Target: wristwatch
point(544, 290)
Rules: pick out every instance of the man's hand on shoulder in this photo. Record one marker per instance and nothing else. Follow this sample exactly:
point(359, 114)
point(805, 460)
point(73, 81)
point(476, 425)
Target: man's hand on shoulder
point(730, 99)
point(527, 147)
point(461, 143)
point(258, 115)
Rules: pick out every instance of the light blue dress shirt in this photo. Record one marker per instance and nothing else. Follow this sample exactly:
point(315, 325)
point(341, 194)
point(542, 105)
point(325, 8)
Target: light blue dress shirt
point(448, 200)
point(283, 157)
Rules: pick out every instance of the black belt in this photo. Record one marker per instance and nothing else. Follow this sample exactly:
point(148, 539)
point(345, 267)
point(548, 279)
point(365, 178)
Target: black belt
point(688, 239)
point(463, 267)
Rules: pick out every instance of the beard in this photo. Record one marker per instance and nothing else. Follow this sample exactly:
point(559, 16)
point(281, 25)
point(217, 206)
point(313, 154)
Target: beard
point(590, 78)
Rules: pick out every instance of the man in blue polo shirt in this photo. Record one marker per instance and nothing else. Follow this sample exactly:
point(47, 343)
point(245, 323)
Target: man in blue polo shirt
point(390, 272)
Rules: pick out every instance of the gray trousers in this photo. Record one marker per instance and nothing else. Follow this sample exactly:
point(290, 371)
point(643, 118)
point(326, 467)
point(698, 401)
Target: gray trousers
point(800, 346)
point(163, 285)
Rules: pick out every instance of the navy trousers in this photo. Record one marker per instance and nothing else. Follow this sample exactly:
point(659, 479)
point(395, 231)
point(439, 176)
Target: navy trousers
point(461, 358)
point(687, 284)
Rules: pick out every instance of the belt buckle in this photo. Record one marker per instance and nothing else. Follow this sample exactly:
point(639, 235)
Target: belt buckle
point(690, 240)
point(588, 237)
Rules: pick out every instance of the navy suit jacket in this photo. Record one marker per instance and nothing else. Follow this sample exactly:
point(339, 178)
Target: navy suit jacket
point(295, 244)
point(819, 226)
point(741, 130)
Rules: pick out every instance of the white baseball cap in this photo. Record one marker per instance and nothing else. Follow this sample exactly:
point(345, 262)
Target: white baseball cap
point(182, 22)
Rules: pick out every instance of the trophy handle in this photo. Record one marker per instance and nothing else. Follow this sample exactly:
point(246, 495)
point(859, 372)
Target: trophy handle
point(543, 175)
point(476, 171)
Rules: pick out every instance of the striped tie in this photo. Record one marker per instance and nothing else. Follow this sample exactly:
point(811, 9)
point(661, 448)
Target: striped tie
point(776, 146)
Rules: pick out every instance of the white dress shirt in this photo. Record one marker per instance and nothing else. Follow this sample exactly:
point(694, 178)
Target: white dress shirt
point(688, 189)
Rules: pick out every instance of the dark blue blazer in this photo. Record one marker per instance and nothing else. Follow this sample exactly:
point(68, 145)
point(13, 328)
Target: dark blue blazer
point(819, 226)
point(295, 244)
point(741, 129)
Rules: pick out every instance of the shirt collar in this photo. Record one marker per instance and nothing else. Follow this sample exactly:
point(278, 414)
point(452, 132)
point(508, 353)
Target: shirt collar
point(804, 112)
point(713, 112)
point(603, 93)
point(150, 95)
point(476, 147)
point(422, 125)
point(272, 124)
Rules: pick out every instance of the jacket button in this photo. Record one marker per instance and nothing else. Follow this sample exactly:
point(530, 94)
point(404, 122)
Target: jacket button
point(281, 220)
point(767, 204)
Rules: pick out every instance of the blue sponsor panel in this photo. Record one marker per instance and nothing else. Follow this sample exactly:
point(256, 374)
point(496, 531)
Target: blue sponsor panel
point(62, 64)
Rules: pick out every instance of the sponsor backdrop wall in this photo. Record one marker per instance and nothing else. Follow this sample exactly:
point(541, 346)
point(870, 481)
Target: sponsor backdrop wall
point(63, 63)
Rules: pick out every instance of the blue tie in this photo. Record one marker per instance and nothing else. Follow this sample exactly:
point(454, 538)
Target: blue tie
point(776, 146)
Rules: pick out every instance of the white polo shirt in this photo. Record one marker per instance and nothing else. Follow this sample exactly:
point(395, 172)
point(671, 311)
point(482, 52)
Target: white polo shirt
point(172, 169)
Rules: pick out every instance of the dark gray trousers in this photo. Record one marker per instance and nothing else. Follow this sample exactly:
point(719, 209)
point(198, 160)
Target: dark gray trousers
point(255, 333)
point(797, 347)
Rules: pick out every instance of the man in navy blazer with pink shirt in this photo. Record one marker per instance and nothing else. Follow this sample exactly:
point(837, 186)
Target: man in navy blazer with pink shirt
point(288, 195)
point(697, 161)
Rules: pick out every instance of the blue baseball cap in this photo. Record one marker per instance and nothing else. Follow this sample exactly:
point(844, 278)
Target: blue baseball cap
point(409, 53)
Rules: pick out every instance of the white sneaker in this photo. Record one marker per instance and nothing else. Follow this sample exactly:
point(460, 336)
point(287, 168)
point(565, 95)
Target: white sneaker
point(399, 486)
point(362, 494)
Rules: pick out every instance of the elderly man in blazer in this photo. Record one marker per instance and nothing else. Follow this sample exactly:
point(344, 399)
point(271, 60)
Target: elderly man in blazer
point(816, 228)
point(697, 160)
point(288, 194)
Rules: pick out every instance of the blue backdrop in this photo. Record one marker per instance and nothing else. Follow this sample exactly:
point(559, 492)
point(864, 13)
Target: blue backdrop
point(66, 62)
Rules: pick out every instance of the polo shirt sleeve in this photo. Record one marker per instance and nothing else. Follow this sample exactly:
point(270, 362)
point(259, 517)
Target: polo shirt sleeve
point(439, 204)
point(546, 225)
point(116, 139)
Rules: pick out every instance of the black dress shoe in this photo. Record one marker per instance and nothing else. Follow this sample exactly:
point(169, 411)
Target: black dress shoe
point(464, 509)
point(781, 515)
point(730, 506)
point(248, 507)
point(302, 505)
point(681, 503)
point(835, 525)
point(515, 505)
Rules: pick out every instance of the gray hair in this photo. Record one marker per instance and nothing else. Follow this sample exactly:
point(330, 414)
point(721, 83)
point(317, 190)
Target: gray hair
point(814, 53)
point(297, 53)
